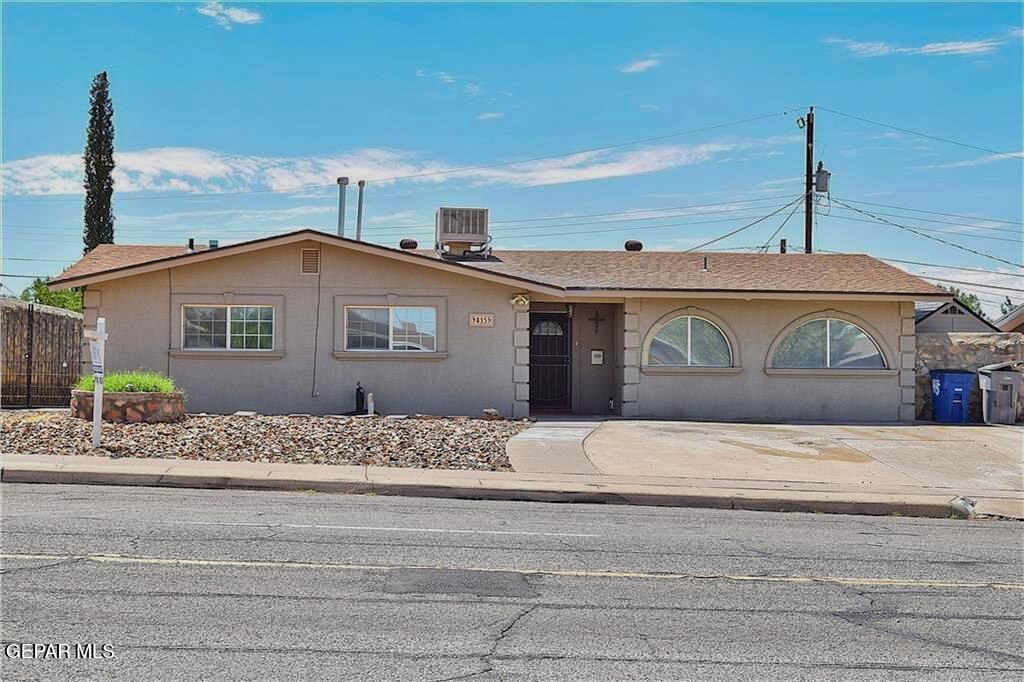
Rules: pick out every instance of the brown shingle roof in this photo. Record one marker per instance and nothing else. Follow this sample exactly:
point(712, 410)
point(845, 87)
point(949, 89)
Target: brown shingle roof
point(644, 270)
point(115, 256)
point(673, 270)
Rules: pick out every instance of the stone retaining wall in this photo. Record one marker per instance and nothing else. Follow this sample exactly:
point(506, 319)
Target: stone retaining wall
point(131, 407)
point(963, 350)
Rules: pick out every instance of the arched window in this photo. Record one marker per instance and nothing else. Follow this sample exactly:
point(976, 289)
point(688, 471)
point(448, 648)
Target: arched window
point(688, 341)
point(548, 328)
point(828, 343)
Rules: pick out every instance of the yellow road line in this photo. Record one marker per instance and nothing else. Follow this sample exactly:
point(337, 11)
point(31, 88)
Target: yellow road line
point(636, 575)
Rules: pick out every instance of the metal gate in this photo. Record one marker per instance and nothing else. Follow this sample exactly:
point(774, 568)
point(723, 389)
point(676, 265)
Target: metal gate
point(550, 351)
point(41, 354)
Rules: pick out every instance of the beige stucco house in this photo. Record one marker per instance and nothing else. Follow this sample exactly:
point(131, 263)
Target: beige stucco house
point(291, 323)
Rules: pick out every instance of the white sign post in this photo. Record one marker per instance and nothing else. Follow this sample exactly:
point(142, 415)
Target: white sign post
point(97, 343)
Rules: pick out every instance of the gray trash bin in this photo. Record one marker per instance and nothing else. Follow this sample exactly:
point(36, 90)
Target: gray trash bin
point(1000, 385)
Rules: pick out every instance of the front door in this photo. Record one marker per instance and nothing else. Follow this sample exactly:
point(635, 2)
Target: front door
point(550, 350)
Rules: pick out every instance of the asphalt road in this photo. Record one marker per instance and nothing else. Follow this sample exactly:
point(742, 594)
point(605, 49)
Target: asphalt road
point(186, 584)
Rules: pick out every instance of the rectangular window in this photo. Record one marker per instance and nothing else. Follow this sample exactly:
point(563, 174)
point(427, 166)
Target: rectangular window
point(395, 328)
point(227, 327)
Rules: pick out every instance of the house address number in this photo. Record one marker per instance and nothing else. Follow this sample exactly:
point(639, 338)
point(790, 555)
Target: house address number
point(481, 319)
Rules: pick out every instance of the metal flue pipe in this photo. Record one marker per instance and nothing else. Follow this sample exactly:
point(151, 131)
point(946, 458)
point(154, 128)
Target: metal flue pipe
point(342, 187)
point(359, 212)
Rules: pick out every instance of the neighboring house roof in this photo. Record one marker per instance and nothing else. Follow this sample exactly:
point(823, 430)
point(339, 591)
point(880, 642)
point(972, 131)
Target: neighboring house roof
point(923, 311)
point(1011, 320)
point(564, 271)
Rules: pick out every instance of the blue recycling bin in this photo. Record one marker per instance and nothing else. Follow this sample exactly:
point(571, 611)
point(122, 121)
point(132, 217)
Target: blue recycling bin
point(951, 390)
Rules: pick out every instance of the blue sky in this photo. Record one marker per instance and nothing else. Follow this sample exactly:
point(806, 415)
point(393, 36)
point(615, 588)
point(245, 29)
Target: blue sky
point(232, 121)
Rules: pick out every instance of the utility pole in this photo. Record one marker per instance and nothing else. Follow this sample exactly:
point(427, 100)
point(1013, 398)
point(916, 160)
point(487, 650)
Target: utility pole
point(809, 184)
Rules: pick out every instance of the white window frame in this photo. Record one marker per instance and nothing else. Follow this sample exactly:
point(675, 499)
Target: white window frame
point(391, 329)
point(227, 331)
point(689, 342)
point(828, 345)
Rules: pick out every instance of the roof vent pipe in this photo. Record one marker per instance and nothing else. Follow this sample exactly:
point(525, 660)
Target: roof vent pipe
point(342, 187)
point(705, 263)
point(191, 244)
point(214, 243)
point(408, 244)
point(782, 246)
point(634, 245)
point(359, 212)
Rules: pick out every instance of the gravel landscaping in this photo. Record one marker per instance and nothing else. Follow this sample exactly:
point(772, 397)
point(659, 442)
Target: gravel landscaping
point(432, 443)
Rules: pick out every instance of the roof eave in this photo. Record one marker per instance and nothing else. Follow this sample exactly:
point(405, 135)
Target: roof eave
point(627, 292)
point(59, 283)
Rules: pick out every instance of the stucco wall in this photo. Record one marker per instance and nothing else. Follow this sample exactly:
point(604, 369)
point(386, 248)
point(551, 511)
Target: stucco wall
point(751, 393)
point(143, 319)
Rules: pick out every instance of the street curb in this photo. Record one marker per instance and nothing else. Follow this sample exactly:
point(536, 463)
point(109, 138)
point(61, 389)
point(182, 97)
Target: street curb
point(872, 504)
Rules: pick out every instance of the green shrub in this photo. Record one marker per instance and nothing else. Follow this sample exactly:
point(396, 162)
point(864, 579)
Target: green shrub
point(137, 382)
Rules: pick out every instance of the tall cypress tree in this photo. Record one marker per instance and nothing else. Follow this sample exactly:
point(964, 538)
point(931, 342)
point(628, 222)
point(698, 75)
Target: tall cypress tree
point(99, 166)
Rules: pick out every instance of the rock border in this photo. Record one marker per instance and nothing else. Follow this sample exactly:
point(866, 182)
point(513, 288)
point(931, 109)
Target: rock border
point(131, 406)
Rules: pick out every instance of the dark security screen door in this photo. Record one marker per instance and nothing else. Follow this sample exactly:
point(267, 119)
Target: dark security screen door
point(550, 350)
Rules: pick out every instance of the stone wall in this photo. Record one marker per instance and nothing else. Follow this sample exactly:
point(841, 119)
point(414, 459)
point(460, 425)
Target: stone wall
point(963, 350)
point(131, 407)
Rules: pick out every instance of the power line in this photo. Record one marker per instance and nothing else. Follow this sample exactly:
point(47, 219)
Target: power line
point(729, 208)
point(972, 284)
point(4, 274)
point(933, 231)
point(448, 171)
point(913, 132)
point(921, 210)
point(949, 267)
point(632, 230)
point(1017, 231)
point(747, 226)
point(928, 236)
point(768, 241)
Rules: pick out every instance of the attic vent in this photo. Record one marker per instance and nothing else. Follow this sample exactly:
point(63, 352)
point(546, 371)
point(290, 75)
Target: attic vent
point(310, 261)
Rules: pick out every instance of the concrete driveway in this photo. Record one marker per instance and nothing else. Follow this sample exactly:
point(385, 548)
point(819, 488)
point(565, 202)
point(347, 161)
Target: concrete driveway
point(963, 458)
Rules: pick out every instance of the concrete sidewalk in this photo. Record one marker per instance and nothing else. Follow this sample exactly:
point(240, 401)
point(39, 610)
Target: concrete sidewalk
point(909, 500)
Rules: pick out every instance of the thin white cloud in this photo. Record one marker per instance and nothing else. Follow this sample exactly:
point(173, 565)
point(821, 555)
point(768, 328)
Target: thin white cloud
point(228, 216)
point(187, 169)
point(604, 164)
point(440, 76)
point(781, 182)
point(882, 49)
point(888, 135)
point(225, 16)
point(490, 115)
point(649, 107)
point(640, 65)
point(980, 161)
point(398, 218)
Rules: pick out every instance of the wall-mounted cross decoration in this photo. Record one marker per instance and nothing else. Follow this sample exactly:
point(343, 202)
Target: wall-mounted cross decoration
point(597, 320)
